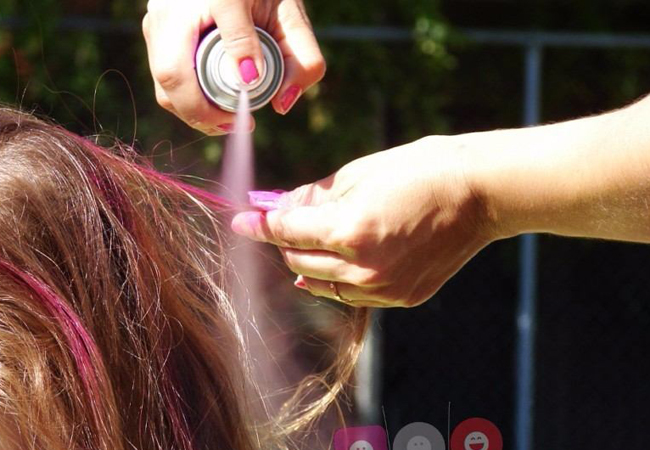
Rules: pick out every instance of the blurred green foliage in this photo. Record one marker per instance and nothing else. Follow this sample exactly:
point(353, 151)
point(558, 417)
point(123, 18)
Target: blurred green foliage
point(375, 94)
point(97, 82)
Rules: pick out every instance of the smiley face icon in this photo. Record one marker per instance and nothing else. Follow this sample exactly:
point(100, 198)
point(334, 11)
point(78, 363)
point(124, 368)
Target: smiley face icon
point(370, 437)
point(361, 445)
point(419, 436)
point(476, 434)
point(418, 443)
point(477, 441)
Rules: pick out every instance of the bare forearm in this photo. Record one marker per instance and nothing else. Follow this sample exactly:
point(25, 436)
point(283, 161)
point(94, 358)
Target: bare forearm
point(588, 177)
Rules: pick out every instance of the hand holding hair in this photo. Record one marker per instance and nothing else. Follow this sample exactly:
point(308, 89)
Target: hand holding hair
point(391, 228)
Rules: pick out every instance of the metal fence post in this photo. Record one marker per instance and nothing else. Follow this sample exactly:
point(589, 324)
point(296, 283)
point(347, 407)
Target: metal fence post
point(526, 310)
point(369, 371)
point(367, 394)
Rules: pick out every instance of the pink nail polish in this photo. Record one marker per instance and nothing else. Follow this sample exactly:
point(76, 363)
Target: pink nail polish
point(300, 283)
point(227, 127)
point(289, 98)
point(248, 71)
point(265, 200)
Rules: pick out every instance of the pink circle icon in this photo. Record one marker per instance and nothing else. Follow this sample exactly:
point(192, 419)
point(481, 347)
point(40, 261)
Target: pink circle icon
point(371, 437)
point(476, 434)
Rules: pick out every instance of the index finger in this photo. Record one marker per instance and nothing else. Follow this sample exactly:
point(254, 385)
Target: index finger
point(305, 227)
point(235, 22)
point(171, 35)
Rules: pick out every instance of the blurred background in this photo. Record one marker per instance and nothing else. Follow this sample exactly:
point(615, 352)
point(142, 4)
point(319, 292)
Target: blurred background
point(548, 338)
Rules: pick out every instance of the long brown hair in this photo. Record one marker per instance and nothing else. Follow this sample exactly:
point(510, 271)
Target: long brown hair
point(116, 331)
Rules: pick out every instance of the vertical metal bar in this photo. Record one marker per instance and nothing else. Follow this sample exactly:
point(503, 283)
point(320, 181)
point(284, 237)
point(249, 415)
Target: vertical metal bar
point(526, 311)
point(369, 370)
point(369, 375)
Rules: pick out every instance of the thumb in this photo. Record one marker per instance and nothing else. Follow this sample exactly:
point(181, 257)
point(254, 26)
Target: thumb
point(302, 227)
point(235, 22)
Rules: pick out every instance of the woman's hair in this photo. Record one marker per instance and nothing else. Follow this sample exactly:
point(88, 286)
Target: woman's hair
point(116, 331)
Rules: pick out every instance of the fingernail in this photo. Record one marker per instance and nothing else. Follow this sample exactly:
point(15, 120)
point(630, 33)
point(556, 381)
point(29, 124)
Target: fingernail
point(227, 127)
point(246, 223)
point(266, 200)
point(289, 98)
point(300, 283)
point(248, 71)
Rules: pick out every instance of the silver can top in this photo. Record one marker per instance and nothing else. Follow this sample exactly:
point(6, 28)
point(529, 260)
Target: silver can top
point(218, 77)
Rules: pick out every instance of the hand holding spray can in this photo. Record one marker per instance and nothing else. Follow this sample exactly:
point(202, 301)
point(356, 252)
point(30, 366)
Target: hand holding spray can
point(219, 80)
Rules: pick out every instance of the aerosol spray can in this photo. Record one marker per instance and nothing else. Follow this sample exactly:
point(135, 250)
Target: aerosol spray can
point(220, 82)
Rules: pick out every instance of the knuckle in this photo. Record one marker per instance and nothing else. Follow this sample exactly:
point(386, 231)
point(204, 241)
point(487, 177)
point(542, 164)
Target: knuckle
point(415, 298)
point(282, 232)
point(339, 238)
point(288, 257)
point(146, 25)
point(316, 69)
point(154, 5)
point(382, 295)
point(164, 101)
point(410, 301)
point(168, 77)
point(302, 195)
point(195, 119)
point(354, 235)
point(395, 295)
point(239, 41)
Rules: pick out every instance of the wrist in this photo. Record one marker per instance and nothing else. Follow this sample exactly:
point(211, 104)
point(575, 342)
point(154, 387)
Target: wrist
point(585, 177)
point(489, 170)
point(531, 179)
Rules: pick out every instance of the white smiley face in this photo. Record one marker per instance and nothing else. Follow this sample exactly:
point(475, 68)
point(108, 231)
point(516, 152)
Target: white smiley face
point(418, 443)
point(476, 441)
point(361, 445)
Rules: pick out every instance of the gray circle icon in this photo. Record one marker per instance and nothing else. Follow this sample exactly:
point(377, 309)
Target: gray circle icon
point(419, 436)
